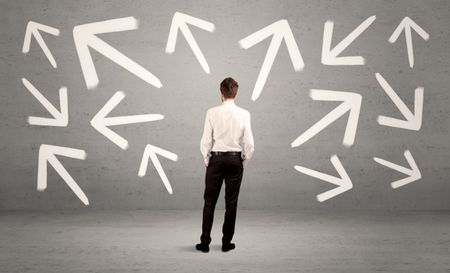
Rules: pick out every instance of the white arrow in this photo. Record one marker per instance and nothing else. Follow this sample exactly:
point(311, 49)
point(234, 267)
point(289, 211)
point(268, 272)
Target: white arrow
point(180, 21)
point(60, 118)
point(151, 151)
point(351, 103)
point(413, 121)
point(413, 173)
point(47, 154)
point(330, 56)
point(33, 29)
point(343, 182)
point(406, 24)
point(100, 122)
point(85, 37)
point(280, 31)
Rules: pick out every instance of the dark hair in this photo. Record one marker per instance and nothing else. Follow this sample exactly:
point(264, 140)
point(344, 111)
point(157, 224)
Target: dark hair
point(229, 87)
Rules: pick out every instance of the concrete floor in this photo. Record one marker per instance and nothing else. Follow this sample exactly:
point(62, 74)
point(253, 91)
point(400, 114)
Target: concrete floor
point(267, 241)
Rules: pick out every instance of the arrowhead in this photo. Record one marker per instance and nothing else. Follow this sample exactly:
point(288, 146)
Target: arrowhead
point(330, 56)
point(60, 118)
point(343, 182)
point(47, 153)
point(179, 22)
point(150, 152)
point(413, 173)
point(33, 29)
point(85, 36)
point(413, 121)
point(100, 122)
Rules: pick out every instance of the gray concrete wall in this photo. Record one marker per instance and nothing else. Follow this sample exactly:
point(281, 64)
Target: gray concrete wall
point(284, 110)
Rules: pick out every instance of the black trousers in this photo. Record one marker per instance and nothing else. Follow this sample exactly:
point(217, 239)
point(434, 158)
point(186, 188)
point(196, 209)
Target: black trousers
point(230, 169)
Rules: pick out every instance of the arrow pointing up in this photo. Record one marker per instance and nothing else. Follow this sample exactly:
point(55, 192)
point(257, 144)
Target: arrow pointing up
point(406, 24)
point(100, 122)
point(343, 182)
point(33, 29)
point(330, 57)
point(47, 154)
point(60, 118)
point(85, 37)
point(280, 31)
point(413, 121)
point(151, 151)
point(180, 21)
point(413, 173)
point(351, 103)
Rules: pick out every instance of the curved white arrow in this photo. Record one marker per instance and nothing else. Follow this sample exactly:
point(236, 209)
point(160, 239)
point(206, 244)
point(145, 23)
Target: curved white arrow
point(85, 37)
point(413, 173)
point(33, 29)
point(280, 31)
point(406, 24)
point(100, 122)
point(351, 102)
point(47, 154)
point(343, 182)
point(150, 152)
point(413, 121)
point(180, 21)
point(330, 56)
point(60, 118)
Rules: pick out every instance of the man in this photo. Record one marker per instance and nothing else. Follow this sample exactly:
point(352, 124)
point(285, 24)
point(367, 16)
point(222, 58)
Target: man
point(226, 145)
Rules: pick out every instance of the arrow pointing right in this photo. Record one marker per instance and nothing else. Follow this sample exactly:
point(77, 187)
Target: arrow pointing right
point(60, 118)
point(280, 31)
point(47, 154)
point(351, 103)
point(413, 173)
point(33, 29)
point(85, 37)
point(330, 56)
point(100, 122)
point(413, 121)
point(406, 24)
point(343, 182)
point(150, 152)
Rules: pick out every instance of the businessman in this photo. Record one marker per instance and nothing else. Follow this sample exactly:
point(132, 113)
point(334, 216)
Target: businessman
point(226, 145)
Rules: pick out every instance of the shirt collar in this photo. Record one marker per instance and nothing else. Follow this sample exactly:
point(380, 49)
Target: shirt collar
point(228, 102)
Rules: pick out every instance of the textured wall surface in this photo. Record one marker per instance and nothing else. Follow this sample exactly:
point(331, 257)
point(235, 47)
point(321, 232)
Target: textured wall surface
point(283, 111)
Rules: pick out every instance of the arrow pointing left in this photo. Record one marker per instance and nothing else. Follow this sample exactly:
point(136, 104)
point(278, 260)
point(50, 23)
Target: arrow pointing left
point(180, 21)
point(279, 31)
point(100, 122)
point(85, 37)
point(33, 29)
point(150, 152)
point(60, 118)
point(47, 154)
point(343, 182)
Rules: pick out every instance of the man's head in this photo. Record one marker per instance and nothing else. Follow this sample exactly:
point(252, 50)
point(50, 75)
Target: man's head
point(229, 88)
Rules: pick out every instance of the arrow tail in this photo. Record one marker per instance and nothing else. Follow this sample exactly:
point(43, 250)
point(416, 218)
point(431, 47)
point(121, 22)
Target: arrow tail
point(114, 121)
point(352, 36)
point(195, 48)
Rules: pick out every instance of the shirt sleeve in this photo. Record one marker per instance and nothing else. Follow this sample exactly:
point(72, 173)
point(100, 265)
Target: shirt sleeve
point(248, 142)
point(207, 139)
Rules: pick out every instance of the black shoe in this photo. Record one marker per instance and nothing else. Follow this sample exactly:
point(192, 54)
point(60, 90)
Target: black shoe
point(202, 248)
point(227, 247)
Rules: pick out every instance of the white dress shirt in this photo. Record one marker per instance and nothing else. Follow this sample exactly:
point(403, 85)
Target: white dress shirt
point(227, 128)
